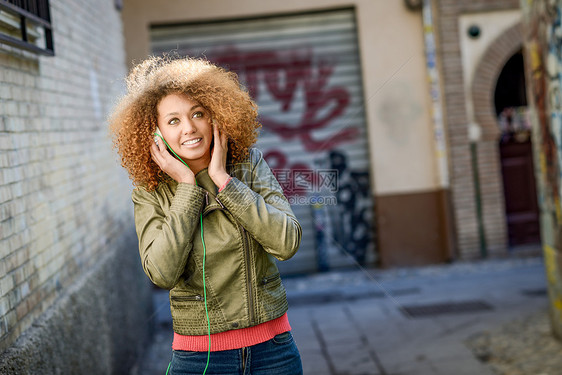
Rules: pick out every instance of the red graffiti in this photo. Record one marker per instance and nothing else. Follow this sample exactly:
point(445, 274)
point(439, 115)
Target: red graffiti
point(283, 73)
point(295, 179)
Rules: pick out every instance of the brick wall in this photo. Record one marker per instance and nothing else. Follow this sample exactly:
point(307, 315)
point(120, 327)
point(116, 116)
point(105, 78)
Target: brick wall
point(462, 186)
point(64, 200)
point(489, 162)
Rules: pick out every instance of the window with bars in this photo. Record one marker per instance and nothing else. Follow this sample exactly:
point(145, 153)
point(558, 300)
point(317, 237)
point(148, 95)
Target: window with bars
point(26, 24)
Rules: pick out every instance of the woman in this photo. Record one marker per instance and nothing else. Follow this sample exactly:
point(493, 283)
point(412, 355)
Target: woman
point(210, 217)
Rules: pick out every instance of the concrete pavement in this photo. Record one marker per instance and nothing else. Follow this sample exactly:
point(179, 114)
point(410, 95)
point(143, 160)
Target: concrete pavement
point(397, 322)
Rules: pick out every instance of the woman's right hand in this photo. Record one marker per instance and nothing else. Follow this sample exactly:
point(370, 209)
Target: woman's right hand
point(170, 165)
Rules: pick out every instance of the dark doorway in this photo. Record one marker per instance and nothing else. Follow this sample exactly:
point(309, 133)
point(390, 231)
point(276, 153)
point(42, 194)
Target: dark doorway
point(516, 155)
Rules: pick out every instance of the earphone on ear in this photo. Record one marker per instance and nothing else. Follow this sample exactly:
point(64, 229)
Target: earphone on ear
point(158, 134)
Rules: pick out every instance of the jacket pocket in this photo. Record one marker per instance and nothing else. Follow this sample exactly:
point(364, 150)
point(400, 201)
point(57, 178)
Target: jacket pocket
point(187, 298)
point(270, 279)
point(283, 338)
point(272, 296)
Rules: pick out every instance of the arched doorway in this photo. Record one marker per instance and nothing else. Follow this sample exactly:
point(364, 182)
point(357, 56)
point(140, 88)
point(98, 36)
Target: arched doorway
point(516, 155)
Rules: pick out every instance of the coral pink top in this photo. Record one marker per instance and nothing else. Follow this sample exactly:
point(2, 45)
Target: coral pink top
point(234, 339)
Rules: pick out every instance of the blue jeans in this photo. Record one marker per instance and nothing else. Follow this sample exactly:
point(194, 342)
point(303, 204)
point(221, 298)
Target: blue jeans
point(278, 356)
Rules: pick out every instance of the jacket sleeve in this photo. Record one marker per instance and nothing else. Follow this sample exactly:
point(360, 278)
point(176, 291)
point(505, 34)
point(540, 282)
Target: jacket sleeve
point(166, 240)
point(263, 210)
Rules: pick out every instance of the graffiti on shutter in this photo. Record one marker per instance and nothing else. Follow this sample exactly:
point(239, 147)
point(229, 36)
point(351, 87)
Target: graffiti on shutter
point(303, 72)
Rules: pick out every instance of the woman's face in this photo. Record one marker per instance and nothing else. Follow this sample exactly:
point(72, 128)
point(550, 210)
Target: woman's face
point(187, 128)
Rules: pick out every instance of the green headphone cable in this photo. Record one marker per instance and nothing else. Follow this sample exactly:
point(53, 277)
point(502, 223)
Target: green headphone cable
point(204, 258)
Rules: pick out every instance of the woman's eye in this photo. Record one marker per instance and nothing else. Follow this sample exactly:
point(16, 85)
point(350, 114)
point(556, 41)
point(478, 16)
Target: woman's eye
point(174, 121)
point(198, 114)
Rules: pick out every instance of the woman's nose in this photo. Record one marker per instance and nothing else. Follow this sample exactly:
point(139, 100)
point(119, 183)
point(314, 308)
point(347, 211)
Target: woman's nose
point(188, 127)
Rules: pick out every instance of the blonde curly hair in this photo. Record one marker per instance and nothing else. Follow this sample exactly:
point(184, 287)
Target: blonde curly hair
point(134, 118)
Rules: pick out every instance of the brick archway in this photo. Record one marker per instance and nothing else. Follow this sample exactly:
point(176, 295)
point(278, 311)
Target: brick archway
point(489, 166)
point(486, 75)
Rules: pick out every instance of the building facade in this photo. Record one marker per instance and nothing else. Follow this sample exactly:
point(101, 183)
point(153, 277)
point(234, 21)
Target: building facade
point(73, 297)
point(492, 176)
point(414, 104)
point(335, 97)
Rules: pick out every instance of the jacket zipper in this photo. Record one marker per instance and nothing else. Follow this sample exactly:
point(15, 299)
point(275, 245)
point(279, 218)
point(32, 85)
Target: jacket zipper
point(248, 269)
point(248, 275)
point(266, 280)
point(219, 202)
point(214, 208)
point(188, 298)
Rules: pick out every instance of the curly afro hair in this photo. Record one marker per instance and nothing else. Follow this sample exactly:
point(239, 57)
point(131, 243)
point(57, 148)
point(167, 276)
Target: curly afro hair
point(134, 118)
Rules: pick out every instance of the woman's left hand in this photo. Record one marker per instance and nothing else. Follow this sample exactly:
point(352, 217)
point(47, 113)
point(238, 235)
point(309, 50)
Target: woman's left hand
point(217, 166)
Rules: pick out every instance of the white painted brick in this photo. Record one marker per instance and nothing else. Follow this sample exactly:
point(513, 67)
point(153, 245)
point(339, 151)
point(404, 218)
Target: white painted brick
point(7, 283)
point(10, 319)
point(6, 193)
point(6, 91)
point(4, 304)
point(11, 108)
point(46, 117)
point(4, 247)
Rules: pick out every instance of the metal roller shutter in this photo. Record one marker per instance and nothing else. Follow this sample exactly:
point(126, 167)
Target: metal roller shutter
point(303, 71)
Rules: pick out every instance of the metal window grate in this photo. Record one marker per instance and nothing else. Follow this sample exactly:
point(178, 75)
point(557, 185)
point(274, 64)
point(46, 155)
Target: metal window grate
point(26, 24)
point(39, 8)
point(418, 311)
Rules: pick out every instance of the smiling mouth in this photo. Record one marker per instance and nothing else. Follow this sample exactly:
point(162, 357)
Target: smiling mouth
point(191, 141)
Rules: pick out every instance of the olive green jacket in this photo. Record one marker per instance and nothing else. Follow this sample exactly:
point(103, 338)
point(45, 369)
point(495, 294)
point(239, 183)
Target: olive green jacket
point(245, 226)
